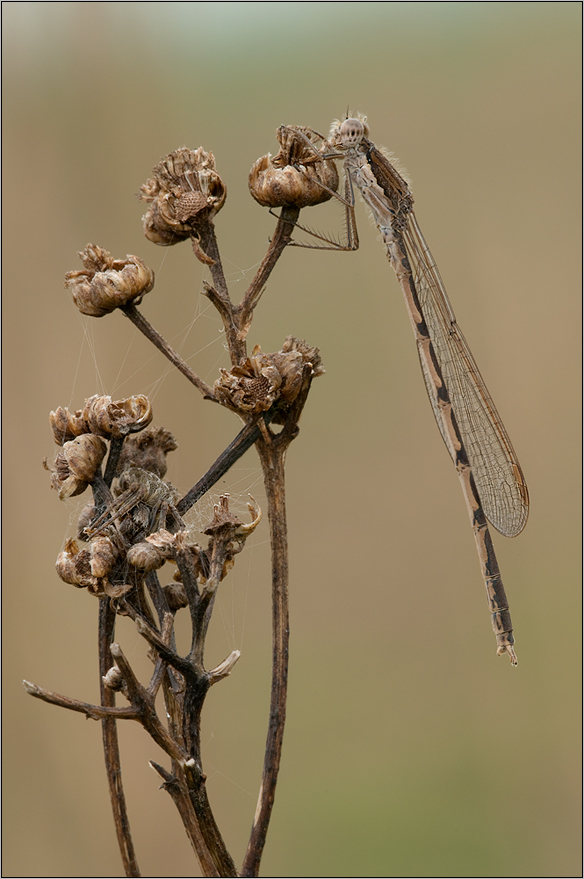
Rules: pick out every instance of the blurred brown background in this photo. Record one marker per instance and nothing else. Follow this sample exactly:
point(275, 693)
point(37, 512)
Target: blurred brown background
point(410, 750)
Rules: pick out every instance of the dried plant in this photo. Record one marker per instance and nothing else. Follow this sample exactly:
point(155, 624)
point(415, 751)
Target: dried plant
point(134, 526)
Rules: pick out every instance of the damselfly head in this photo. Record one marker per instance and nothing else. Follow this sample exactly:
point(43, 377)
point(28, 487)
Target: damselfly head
point(350, 132)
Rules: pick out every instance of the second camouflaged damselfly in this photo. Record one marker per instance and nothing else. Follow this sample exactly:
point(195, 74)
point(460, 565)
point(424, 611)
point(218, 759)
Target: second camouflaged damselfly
point(490, 476)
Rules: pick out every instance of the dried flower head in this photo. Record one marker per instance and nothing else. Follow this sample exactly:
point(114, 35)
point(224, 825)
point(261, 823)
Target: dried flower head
point(297, 175)
point(230, 532)
point(77, 566)
point(113, 679)
point(103, 554)
point(148, 450)
point(256, 384)
point(291, 360)
point(117, 419)
point(227, 525)
point(85, 518)
point(184, 191)
point(151, 553)
point(67, 425)
point(251, 387)
point(146, 557)
point(76, 465)
point(104, 417)
point(107, 283)
point(74, 565)
point(176, 596)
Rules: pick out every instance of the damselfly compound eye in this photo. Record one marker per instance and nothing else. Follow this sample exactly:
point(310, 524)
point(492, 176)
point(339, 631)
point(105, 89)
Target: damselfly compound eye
point(352, 132)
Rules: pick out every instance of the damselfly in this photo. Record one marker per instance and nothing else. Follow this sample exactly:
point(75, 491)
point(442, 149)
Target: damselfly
point(490, 476)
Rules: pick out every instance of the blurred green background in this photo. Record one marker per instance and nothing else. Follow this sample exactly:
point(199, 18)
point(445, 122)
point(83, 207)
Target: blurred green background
point(410, 749)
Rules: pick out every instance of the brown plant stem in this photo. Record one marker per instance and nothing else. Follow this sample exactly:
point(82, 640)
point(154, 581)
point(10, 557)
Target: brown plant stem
point(94, 712)
point(180, 797)
point(282, 235)
point(116, 445)
point(218, 293)
point(237, 318)
point(272, 456)
point(272, 460)
point(124, 521)
point(208, 240)
point(107, 617)
point(242, 442)
point(154, 336)
point(188, 775)
point(197, 792)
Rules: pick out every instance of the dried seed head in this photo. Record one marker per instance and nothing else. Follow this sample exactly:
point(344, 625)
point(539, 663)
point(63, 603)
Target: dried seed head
point(176, 596)
point(184, 191)
point(224, 522)
point(168, 542)
point(67, 425)
point(74, 566)
point(146, 557)
point(105, 417)
point(151, 553)
point(295, 176)
point(76, 465)
point(103, 554)
point(291, 361)
point(255, 385)
point(85, 517)
point(230, 531)
point(148, 450)
point(228, 526)
point(113, 679)
point(106, 283)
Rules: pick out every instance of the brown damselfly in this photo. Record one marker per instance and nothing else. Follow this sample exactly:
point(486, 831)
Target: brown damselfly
point(490, 476)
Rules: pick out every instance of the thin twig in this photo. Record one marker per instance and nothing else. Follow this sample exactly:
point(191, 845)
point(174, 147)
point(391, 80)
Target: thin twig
point(210, 246)
point(116, 445)
point(141, 699)
point(272, 457)
point(218, 293)
point(282, 234)
point(242, 442)
point(148, 330)
point(94, 712)
point(111, 749)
